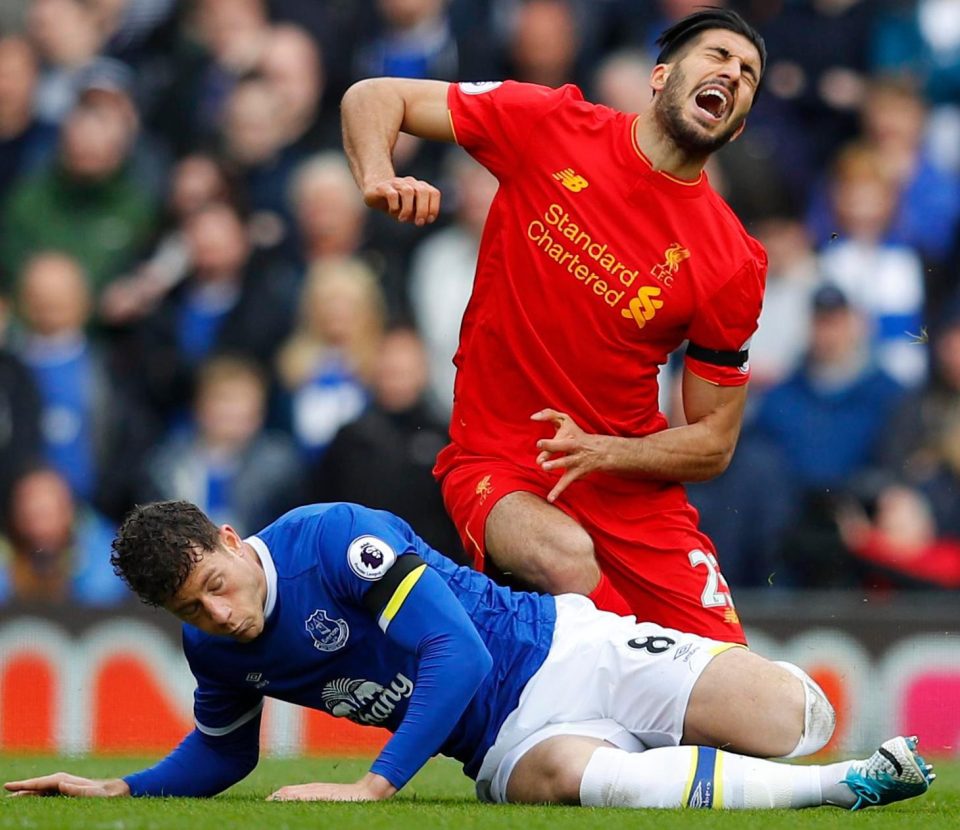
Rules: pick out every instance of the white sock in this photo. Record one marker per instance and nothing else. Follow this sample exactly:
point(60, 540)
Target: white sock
point(835, 792)
point(691, 776)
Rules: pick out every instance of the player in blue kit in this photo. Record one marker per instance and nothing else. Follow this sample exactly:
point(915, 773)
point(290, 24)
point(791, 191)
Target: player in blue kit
point(543, 699)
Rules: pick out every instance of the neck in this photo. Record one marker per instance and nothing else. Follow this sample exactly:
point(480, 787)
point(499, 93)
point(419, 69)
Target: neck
point(663, 154)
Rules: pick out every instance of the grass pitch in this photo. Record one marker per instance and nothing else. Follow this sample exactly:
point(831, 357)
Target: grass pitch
point(440, 797)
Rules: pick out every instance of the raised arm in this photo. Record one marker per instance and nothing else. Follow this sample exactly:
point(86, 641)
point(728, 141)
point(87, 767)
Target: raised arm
point(374, 112)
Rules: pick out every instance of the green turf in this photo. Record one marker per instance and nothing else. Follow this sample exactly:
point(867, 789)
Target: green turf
point(440, 797)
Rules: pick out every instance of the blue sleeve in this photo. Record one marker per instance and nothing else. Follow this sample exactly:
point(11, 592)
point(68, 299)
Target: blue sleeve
point(452, 662)
point(202, 765)
point(371, 561)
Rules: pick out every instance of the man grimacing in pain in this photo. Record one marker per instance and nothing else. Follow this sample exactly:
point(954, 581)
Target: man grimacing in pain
point(604, 250)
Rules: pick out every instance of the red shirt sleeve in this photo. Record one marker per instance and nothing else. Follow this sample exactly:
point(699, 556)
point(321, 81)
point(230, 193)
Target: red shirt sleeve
point(724, 324)
point(495, 122)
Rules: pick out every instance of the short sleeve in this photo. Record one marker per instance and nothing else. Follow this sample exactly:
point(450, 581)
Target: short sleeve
point(720, 332)
point(495, 121)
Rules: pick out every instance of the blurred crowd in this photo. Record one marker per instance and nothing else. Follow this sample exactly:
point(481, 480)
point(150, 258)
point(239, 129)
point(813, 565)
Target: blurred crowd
point(195, 303)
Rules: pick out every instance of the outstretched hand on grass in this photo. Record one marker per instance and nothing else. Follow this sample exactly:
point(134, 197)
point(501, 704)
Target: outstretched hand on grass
point(63, 783)
point(371, 787)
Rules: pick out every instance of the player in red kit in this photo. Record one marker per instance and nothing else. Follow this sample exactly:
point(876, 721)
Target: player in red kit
point(604, 250)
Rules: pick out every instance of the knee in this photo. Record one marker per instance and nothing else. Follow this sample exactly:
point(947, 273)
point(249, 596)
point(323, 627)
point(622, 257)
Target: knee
point(812, 715)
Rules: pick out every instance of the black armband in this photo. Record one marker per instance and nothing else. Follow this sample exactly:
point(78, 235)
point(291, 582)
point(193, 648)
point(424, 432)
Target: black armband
point(715, 357)
point(376, 599)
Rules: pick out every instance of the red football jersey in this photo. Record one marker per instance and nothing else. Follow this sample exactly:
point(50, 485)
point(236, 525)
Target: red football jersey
point(593, 268)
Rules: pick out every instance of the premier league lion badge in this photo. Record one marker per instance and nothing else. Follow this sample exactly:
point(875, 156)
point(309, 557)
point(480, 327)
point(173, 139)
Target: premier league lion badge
point(370, 558)
point(328, 635)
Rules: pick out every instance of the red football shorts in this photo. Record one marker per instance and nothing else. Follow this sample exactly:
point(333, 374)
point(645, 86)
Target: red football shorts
point(644, 534)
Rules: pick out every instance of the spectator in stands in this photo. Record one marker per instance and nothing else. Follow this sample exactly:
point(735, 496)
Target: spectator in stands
point(235, 299)
point(783, 332)
point(56, 549)
point(26, 142)
point(883, 279)
point(225, 460)
point(292, 64)
point(441, 273)
point(89, 203)
point(412, 39)
point(544, 43)
point(384, 459)
point(827, 422)
point(223, 44)
point(894, 124)
point(20, 439)
point(92, 431)
point(326, 365)
point(196, 181)
point(255, 147)
point(620, 80)
point(67, 38)
point(916, 430)
point(329, 210)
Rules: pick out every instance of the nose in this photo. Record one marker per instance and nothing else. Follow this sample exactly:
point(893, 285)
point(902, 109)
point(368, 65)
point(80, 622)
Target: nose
point(732, 69)
point(219, 610)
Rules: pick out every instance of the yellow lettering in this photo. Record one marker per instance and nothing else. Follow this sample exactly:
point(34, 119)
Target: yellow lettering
point(611, 298)
point(600, 288)
point(627, 277)
point(596, 250)
point(571, 230)
point(555, 252)
point(553, 214)
point(536, 227)
point(607, 261)
point(581, 272)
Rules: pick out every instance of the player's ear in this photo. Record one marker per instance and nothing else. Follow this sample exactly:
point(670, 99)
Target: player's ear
point(230, 538)
point(658, 77)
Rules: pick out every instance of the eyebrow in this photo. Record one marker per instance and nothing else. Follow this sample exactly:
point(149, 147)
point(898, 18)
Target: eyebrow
point(745, 66)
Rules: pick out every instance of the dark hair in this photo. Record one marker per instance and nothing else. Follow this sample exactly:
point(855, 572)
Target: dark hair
point(157, 546)
point(684, 30)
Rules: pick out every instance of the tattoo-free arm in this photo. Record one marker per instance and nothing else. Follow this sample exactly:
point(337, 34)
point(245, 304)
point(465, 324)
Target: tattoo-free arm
point(699, 450)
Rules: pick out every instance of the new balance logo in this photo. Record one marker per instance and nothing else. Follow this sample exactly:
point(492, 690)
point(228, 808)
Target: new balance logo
point(571, 181)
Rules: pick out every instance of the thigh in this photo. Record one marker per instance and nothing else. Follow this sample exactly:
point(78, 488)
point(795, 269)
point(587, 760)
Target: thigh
point(472, 486)
point(663, 566)
point(747, 704)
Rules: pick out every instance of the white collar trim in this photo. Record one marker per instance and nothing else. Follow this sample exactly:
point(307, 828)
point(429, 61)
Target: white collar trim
point(269, 571)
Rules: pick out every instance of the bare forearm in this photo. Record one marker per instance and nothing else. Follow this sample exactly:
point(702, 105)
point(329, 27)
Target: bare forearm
point(371, 116)
point(688, 453)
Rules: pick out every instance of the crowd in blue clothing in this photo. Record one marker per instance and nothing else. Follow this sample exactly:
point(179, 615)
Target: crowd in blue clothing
point(195, 303)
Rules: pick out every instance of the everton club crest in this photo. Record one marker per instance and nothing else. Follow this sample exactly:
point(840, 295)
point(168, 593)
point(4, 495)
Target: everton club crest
point(328, 635)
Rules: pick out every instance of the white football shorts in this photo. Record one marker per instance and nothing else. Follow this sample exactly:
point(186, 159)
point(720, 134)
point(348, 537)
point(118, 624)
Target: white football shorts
point(606, 677)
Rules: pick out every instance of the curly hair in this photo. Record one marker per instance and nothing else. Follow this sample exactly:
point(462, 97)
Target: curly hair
point(157, 546)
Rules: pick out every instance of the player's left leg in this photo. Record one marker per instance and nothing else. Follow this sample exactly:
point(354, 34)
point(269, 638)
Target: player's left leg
point(746, 703)
point(570, 769)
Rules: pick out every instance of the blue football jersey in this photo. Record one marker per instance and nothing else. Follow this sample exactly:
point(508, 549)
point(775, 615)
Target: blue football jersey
point(344, 584)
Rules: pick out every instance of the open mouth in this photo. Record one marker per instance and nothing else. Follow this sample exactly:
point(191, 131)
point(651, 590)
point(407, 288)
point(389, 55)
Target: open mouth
point(713, 101)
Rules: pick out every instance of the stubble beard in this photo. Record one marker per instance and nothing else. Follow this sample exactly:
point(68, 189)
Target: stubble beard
point(668, 109)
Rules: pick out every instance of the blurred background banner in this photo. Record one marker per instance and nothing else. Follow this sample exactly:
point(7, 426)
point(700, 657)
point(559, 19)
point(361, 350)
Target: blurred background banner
point(95, 682)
